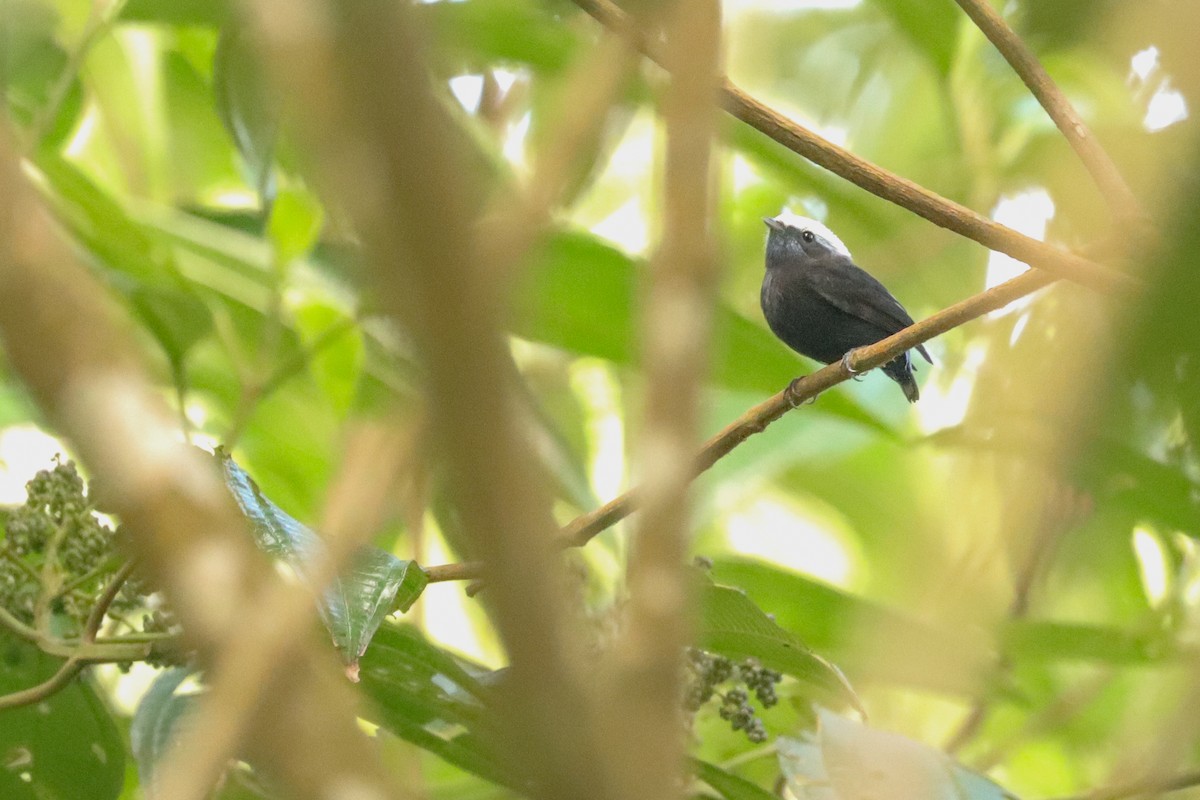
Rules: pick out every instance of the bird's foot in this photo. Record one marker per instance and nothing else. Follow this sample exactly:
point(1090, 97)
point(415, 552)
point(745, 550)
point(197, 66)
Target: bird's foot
point(793, 389)
point(849, 367)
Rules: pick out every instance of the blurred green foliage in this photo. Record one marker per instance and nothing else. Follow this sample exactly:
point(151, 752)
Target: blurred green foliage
point(1021, 544)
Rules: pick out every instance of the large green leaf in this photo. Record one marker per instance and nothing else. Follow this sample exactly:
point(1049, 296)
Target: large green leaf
point(65, 747)
point(732, 625)
point(931, 26)
point(372, 586)
point(479, 33)
point(425, 696)
point(138, 264)
point(729, 785)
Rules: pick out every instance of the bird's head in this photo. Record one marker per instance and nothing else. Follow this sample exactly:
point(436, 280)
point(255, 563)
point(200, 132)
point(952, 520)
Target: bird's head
point(798, 236)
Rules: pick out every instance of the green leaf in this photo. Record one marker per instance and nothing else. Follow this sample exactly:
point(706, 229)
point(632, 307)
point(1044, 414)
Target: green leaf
point(139, 265)
point(246, 106)
point(1033, 641)
point(157, 720)
point(732, 625)
point(844, 760)
point(904, 650)
point(32, 65)
point(931, 25)
point(212, 13)
point(427, 697)
point(295, 223)
point(729, 785)
point(66, 747)
point(337, 349)
point(374, 584)
point(479, 33)
point(177, 318)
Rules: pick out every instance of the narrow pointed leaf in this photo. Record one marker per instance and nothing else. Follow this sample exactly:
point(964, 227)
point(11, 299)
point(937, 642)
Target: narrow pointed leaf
point(732, 625)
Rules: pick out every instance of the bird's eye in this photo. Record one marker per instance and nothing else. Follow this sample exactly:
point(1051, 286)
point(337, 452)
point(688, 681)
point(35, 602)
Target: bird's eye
point(807, 236)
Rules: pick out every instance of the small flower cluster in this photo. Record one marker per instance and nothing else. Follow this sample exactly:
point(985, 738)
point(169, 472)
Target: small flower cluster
point(56, 539)
point(707, 671)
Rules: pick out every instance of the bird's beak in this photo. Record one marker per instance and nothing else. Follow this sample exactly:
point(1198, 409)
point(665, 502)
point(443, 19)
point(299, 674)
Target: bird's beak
point(773, 223)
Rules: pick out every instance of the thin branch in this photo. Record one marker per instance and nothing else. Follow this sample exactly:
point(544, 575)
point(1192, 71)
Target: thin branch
point(27, 632)
point(89, 576)
point(20, 563)
point(55, 683)
point(105, 600)
point(465, 571)
point(518, 216)
point(77, 661)
point(1104, 172)
point(755, 420)
point(888, 185)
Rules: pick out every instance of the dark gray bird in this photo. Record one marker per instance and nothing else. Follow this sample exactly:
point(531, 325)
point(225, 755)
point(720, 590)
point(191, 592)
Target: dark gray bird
point(822, 305)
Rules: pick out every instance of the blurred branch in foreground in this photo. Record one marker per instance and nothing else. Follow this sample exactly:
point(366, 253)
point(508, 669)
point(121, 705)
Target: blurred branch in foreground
point(644, 683)
point(65, 346)
point(387, 150)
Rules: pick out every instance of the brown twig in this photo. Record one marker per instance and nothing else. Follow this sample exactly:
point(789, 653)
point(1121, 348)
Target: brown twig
point(464, 571)
point(1093, 155)
point(755, 420)
point(888, 185)
point(106, 598)
point(518, 215)
point(55, 683)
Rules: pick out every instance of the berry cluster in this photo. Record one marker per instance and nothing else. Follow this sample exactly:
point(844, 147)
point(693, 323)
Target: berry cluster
point(55, 547)
point(707, 671)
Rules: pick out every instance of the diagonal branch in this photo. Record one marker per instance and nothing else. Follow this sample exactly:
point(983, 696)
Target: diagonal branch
point(888, 185)
point(1108, 178)
point(583, 528)
point(806, 388)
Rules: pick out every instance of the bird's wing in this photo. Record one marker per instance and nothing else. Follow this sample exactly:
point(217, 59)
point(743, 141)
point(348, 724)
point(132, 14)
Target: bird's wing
point(851, 289)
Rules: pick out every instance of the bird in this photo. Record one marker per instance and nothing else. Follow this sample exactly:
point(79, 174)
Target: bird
point(823, 305)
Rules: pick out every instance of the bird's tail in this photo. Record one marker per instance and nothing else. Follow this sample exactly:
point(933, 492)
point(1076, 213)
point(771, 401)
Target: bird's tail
point(900, 370)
